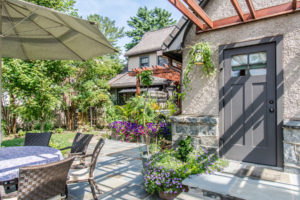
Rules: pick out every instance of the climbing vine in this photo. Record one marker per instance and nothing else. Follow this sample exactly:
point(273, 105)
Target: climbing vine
point(146, 78)
point(200, 54)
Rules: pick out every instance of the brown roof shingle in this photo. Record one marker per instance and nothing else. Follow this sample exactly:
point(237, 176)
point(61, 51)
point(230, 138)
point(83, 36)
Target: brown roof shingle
point(151, 41)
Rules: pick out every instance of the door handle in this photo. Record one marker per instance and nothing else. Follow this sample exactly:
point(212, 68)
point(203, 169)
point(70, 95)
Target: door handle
point(272, 110)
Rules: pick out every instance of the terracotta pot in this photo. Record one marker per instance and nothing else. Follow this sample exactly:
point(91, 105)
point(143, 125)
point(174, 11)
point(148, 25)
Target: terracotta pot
point(168, 196)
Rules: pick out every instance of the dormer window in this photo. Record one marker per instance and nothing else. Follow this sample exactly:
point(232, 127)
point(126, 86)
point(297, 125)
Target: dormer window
point(144, 61)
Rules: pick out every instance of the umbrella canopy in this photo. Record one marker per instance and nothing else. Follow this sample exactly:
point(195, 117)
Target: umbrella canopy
point(32, 32)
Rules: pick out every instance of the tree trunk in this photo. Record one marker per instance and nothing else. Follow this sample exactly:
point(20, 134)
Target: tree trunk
point(91, 116)
point(42, 122)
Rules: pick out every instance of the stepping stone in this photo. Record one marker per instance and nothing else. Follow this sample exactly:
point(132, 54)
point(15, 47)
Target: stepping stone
point(232, 186)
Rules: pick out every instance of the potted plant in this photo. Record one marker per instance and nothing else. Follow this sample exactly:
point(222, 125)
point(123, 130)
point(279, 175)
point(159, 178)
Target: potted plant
point(166, 170)
point(199, 55)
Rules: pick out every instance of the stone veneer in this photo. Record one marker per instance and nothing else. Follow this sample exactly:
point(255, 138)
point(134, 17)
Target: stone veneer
point(203, 130)
point(291, 146)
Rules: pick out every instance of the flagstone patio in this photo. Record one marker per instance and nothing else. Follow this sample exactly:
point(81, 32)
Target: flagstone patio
point(118, 173)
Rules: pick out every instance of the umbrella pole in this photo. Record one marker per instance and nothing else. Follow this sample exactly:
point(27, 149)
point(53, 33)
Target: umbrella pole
point(0, 72)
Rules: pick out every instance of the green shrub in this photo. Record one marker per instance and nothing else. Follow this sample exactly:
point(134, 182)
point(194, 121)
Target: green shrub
point(165, 173)
point(21, 133)
point(184, 149)
point(47, 126)
point(59, 130)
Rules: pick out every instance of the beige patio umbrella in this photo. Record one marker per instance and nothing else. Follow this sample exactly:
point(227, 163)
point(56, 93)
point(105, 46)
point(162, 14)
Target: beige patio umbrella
point(32, 32)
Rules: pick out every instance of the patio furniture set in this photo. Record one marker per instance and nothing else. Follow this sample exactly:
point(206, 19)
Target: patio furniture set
point(40, 172)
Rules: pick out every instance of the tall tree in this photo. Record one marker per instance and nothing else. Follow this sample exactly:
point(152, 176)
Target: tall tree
point(66, 6)
point(108, 28)
point(147, 20)
point(33, 87)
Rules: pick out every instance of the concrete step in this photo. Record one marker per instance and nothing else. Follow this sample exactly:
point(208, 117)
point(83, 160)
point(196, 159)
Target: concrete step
point(228, 186)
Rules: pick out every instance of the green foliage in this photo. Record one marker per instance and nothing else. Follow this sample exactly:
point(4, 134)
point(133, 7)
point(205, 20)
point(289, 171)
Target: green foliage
point(91, 81)
point(13, 142)
point(147, 20)
point(184, 149)
point(21, 133)
point(146, 78)
point(138, 109)
point(59, 130)
point(165, 173)
point(108, 28)
point(66, 6)
point(35, 84)
point(199, 54)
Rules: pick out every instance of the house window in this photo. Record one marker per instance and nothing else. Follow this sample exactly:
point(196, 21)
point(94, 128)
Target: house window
point(162, 61)
point(254, 64)
point(144, 61)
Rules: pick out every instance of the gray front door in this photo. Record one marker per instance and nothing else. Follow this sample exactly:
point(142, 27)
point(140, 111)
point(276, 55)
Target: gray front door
point(249, 104)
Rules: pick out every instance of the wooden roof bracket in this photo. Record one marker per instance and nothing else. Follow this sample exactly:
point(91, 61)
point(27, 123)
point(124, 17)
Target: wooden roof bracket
point(238, 9)
point(251, 8)
point(185, 11)
point(274, 11)
point(202, 14)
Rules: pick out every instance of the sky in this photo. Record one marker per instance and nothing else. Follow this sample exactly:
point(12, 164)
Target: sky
point(122, 10)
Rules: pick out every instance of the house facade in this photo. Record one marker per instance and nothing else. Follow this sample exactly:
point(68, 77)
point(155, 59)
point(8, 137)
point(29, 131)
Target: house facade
point(147, 53)
point(249, 110)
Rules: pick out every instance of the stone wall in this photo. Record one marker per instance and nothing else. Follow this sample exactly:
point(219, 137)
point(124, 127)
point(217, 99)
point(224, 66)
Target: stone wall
point(203, 130)
point(291, 146)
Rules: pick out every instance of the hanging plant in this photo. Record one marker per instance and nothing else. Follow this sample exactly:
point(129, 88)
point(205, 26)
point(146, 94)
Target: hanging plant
point(199, 55)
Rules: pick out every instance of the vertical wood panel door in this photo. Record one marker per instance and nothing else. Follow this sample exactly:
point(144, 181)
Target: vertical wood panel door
point(250, 105)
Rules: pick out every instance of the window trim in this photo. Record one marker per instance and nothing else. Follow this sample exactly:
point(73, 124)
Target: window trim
point(142, 57)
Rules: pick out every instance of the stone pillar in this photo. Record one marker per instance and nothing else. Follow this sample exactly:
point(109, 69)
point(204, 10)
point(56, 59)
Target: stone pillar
point(291, 146)
point(203, 130)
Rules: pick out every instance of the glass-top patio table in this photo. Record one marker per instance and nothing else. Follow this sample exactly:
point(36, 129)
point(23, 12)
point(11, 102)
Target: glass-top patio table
point(13, 158)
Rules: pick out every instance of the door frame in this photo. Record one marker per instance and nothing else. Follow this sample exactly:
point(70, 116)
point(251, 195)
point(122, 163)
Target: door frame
point(278, 40)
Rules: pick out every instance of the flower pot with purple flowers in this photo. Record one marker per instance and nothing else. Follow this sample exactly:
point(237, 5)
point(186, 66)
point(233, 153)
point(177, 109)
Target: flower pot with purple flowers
point(165, 171)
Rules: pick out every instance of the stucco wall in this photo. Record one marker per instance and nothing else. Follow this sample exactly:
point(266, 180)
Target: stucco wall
point(219, 9)
point(134, 61)
point(203, 99)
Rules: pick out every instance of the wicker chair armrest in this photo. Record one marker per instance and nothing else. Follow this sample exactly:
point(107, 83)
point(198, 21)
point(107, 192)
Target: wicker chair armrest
point(65, 148)
point(79, 166)
point(87, 155)
point(80, 154)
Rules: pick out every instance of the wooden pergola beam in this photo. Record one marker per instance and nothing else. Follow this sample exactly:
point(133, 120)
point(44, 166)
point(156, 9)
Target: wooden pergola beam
point(251, 8)
point(200, 12)
point(295, 4)
point(184, 10)
point(238, 9)
point(274, 11)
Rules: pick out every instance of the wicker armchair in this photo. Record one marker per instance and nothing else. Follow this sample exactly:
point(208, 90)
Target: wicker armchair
point(42, 181)
point(37, 139)
point(80, 144)
point(86, 173)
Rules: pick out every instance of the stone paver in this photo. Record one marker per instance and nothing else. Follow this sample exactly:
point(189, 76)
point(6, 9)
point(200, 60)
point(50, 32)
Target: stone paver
point(118, 173)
